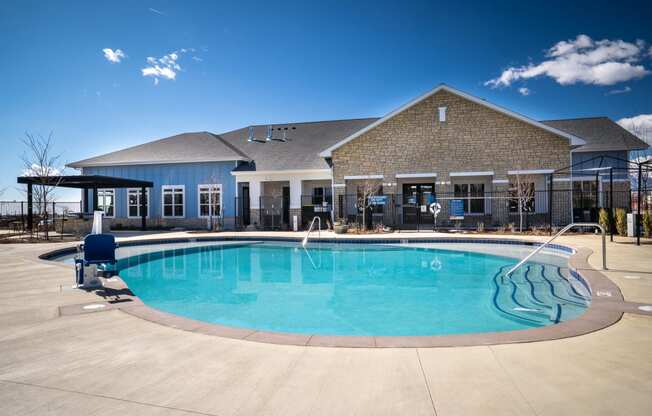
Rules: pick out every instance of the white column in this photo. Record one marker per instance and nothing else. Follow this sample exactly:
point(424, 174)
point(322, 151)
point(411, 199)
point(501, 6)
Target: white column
point(254, 194)
point(295, 192)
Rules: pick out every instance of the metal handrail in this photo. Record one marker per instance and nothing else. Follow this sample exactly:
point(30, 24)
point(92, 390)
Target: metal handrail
point(562, 231)
point(312, 223)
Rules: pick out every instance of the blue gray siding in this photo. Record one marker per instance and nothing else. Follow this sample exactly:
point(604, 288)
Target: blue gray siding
point(188, 174)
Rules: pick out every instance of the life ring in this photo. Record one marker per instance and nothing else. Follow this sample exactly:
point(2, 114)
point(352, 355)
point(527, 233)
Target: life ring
point(435, 208)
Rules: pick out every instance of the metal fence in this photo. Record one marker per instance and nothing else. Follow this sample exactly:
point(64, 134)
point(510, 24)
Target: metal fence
point(13, 214)
point(490, 210)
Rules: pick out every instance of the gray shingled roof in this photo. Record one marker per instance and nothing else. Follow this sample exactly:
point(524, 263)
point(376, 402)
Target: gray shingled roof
point(185, 147)
point(600, 134)
point(304, 142)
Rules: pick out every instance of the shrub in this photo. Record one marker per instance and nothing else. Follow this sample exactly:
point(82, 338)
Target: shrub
point(604, 219)
point(621, 221)
point(647, 223)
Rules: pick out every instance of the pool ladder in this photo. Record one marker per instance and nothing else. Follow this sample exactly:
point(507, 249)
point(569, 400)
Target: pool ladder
point(562, 231)
point(312, 224)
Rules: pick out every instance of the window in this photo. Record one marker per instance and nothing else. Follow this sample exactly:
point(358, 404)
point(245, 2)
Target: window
point(318, 196)
point(133, 203)
point(473, 194)
point(526, 194)
point(173, 200)
point(210, 200)
point(106, 201)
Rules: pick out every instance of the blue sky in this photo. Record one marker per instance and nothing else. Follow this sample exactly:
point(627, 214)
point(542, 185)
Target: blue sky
point(239, 63)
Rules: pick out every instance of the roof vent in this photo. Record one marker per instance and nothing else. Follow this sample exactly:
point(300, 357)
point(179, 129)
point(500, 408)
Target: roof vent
point(442, 114)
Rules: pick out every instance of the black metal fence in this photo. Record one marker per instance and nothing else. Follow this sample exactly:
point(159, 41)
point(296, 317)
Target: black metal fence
point(491, 210)
point(46, 216)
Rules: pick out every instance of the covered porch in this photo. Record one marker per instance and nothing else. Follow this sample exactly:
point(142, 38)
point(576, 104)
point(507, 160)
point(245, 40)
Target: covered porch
point(283, 200)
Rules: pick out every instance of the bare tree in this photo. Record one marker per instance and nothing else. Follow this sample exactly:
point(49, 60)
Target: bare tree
point(523, 193)
point(366, 191)
point(40, 161)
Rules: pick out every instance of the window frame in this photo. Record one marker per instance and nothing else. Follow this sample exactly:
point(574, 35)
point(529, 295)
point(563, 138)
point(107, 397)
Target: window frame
point(100, 195)
point(147, 194)
point(468, 197)
point(183, 204)
point(199, 204)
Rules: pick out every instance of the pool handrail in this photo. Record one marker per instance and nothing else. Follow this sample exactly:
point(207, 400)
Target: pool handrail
point(312, 224)
point(562, 231)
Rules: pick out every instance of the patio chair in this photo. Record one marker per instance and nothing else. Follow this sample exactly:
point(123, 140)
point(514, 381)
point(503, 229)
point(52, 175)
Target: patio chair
point(97, 249)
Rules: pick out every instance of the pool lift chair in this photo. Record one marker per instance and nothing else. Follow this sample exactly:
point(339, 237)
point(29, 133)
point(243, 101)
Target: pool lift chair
point(97, 250)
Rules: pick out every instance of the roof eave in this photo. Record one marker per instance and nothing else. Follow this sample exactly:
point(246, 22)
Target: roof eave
point(82, 164)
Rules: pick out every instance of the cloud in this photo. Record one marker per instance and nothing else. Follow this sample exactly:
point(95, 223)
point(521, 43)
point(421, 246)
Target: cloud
point(582, 60)
point(167, 66)
point(619, 91)
point(38, 170)
point(197, 58)
point(164, 67)
point(524, 91)
point(114, 56)
point(640, 125)
point(153, 10)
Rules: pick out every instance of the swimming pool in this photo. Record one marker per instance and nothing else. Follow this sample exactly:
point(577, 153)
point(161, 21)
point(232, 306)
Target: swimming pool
point(357, 289)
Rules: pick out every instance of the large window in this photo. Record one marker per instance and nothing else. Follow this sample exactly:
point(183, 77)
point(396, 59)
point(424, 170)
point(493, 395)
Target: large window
point(133, 203)
point(473, 196)
point(210, 200)
point(173, 200)
point(321, 199)
point(524, 193)
point(106, 201)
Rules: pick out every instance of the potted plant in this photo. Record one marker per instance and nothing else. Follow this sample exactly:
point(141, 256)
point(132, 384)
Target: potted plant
point(340, 226)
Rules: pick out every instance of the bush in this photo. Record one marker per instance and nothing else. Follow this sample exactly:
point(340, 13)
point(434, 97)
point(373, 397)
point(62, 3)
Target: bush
point(647, 223)
point(621, 221)
point(604, 219)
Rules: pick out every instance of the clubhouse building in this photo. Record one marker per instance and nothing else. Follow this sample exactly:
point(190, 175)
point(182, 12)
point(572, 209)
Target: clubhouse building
point(444, 145)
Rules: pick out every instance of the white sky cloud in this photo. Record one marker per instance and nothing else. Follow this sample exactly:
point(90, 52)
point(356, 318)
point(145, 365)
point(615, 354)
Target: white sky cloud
point(583, 60)
point(619, 91)
point(153, 10)
point(165, 67)
point(113, 56)
point(524, 91)
point(640, 125)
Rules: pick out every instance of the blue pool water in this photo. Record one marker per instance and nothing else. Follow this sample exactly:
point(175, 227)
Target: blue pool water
point(353, 289)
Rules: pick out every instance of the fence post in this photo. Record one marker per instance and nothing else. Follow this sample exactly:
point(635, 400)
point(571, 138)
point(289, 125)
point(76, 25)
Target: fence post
point(638, 206)
point(22, 217)
point(550, 203)
point(611, 204)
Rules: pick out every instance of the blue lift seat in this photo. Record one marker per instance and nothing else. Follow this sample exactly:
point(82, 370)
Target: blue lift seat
point(98, 249)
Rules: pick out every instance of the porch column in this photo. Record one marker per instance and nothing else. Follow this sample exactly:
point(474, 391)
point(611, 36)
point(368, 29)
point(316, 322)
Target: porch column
point(295, 202)
point(254, 201)
point(143, 210)
point(94, 199)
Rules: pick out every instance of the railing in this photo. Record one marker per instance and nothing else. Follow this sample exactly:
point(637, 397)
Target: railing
point(312, 223)
point(562, 231)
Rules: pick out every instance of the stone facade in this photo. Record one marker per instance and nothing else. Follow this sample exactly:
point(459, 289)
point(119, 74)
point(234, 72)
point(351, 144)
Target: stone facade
point(473, 138)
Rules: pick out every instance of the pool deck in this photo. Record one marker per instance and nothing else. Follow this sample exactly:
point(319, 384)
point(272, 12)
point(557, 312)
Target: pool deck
point(111, 362)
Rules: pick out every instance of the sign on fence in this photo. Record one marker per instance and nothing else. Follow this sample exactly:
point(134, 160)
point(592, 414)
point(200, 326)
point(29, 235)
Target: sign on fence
point(457, 209)
point(378, 200)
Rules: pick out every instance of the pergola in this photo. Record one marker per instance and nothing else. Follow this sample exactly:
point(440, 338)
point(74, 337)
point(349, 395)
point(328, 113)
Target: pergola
point(84, 182)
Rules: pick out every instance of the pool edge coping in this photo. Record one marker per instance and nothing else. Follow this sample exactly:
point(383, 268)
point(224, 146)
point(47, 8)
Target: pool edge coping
point(606, 308)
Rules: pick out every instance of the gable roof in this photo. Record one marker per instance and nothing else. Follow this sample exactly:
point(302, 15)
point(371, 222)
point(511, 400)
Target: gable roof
point(600, 133)
point(300, 151)
point(182, 148)
point(574, 140)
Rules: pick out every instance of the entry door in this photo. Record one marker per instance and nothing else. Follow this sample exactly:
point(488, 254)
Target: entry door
point(416, 198)
point(286, 205)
